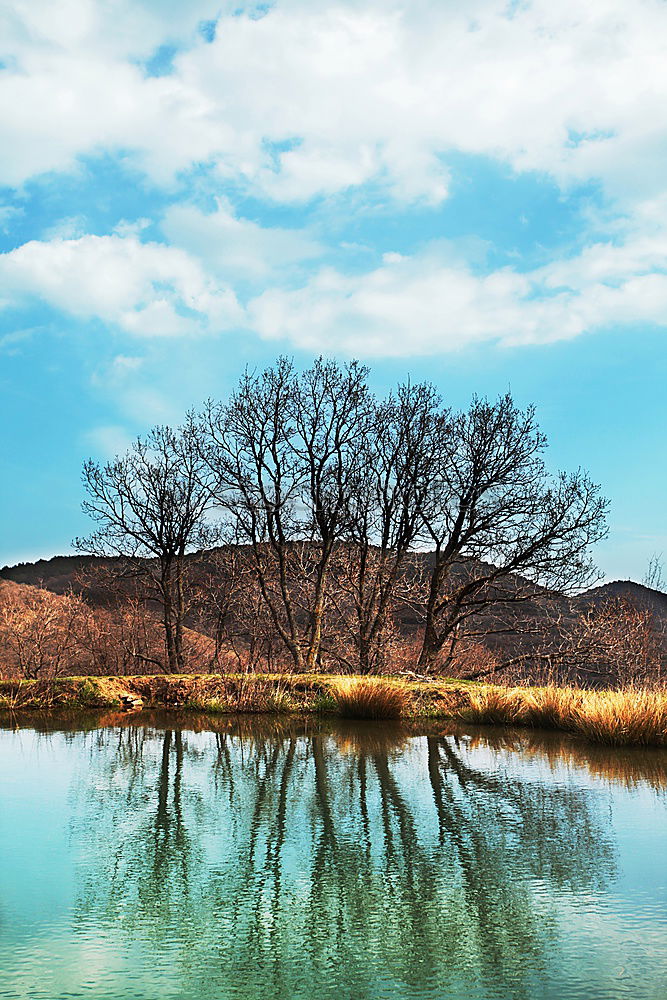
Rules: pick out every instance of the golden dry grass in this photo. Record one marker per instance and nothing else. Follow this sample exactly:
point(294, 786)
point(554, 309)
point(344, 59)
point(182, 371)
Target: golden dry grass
point(630, 716)
point(370, 697)
point(493, 706)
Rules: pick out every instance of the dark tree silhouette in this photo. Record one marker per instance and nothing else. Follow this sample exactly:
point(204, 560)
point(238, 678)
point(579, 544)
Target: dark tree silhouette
point(285, 454)
point(150, 506)
point(502, 528)
point(385, 519)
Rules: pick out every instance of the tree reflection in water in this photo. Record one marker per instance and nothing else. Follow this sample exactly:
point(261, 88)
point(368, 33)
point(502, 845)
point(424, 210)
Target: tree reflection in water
point(354, 863)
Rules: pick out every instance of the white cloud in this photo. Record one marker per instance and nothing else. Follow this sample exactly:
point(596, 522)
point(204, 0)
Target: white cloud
point(68, 228)
point(143, 288)
point(316, 98)
point(428, 305)
point(432, 302)
point(239, 247)
point(117, 372)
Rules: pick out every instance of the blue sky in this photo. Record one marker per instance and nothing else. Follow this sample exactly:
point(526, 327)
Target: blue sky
point(470, 193)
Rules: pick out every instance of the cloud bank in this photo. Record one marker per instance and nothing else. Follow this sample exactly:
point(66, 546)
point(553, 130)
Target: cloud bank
point(298, 104)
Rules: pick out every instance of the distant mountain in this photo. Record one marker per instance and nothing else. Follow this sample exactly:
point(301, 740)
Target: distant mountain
point(640, 597)
point(518, 628)
point(57, 574)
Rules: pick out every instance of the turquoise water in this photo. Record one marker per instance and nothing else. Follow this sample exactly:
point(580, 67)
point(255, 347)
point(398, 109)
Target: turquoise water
point(279, 860)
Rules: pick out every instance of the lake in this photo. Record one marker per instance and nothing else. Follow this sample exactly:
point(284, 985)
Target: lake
point(154, 856)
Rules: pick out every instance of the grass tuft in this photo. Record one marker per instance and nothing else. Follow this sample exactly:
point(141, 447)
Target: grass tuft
point(494, 706)
point(370, 697)
point(630, 716)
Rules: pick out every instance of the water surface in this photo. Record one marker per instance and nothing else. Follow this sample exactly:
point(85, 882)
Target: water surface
point(142, 858)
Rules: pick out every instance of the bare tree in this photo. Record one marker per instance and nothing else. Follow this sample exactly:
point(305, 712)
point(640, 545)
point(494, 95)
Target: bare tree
point(386, 508)
point(501, 527)
point(333, 416)
point(227, 605)
point(286, 452)
point(150, 507)
point(328, 497)
point(614, 642)
point(248, 447)
point(589, 643)
point(653, 577)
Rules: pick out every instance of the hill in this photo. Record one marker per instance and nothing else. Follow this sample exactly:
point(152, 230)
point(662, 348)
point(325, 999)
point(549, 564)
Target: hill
point(44, 632)
point(636, 594)
point(59, 574)
point(512, 634)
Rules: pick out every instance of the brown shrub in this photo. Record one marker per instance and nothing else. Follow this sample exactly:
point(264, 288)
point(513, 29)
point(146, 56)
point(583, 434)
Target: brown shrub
point(37, 631)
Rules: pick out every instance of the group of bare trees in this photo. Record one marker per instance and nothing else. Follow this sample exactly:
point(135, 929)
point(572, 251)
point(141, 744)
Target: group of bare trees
point(43, 635)
point(612, 643)
point(322, 499)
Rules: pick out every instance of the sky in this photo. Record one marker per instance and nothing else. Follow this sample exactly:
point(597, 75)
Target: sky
point(470, 193)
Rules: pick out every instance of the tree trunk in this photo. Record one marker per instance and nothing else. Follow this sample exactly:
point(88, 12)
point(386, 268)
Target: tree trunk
point(170, 645)
point(433, 642)
point(168, 620)
point(431, 647)
point(313, 654)
point(180, 613)
point(364, 656)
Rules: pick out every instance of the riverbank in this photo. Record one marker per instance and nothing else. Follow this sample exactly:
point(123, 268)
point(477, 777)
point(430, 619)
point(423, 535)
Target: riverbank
point(628, 717)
